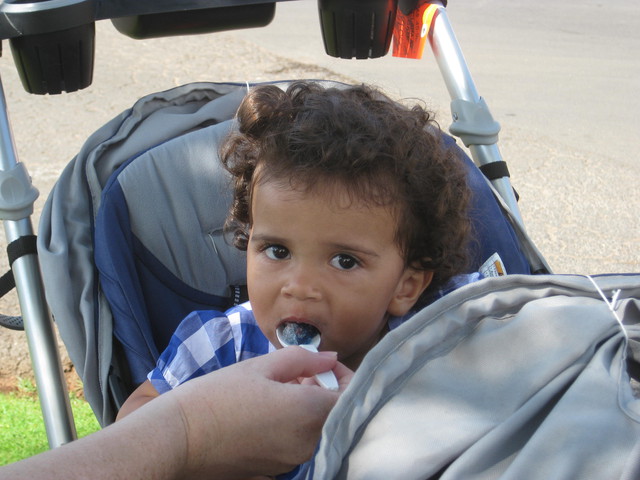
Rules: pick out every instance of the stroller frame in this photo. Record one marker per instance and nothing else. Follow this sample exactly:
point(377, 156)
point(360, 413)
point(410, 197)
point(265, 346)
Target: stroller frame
point(472, 122)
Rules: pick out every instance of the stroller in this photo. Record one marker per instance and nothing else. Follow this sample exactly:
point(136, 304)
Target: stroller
point(120, 261)
point(160, 199)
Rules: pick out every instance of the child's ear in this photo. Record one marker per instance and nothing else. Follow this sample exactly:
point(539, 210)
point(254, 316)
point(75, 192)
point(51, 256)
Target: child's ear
point(409, 289)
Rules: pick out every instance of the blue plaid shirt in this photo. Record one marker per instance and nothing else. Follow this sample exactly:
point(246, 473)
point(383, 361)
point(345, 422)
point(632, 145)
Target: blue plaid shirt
point(206, 341)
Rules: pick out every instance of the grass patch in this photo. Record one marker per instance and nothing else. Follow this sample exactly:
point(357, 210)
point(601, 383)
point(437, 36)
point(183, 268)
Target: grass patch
point(22, 432)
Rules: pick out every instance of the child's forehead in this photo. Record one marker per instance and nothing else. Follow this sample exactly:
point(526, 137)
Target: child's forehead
point(380, 213)
point(335, 193)
point(320, 217)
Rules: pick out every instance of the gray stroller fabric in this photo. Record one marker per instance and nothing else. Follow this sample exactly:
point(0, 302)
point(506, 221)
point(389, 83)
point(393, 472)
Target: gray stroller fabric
point(518, 377)
point(65, 234)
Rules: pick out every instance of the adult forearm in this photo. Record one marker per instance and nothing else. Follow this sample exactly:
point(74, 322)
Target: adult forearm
point(150, 445)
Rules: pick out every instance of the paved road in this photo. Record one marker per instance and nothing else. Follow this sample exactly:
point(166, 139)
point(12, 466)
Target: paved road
point(549, 66)
point(562, 77)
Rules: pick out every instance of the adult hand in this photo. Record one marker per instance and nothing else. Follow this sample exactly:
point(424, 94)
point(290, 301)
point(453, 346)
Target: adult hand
point(259, 415)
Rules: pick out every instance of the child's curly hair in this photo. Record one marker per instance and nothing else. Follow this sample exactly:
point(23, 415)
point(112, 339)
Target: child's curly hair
point(378, 150)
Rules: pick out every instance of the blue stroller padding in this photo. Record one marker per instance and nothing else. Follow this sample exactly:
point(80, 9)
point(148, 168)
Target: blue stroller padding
point(146, 197)
point(159, 244)
point(492, 231)
point(66, 231)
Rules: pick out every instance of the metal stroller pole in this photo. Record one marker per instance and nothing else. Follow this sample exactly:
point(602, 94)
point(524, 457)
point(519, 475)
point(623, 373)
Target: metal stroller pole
point(477, 129)
point(474, 125)
point(16, 205)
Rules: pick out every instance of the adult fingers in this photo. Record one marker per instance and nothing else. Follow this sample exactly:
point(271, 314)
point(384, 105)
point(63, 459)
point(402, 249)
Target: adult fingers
point(288, 364)
point(343, 374)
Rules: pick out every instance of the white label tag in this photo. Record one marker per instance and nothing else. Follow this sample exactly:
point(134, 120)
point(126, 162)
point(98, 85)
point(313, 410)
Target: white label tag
point(493, 267)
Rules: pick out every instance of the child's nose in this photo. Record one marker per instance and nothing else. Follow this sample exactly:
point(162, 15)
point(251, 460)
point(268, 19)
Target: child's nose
point(301, 284)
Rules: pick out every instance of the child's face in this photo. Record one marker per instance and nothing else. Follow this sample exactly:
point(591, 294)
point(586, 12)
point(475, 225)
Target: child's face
point(338, 268)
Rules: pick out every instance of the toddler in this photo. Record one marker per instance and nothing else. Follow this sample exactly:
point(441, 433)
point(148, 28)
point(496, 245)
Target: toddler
point(352, 212)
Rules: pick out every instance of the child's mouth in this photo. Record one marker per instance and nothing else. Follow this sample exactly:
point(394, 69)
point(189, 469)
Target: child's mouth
point(308, 337)
point(297, 333)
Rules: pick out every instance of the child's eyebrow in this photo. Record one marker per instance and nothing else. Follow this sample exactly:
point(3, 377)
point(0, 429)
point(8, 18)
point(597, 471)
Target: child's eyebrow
point(265, 237)
point(355, 249)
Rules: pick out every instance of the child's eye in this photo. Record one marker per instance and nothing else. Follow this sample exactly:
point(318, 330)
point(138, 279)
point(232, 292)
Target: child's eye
point(277, 252)
point(344, 261)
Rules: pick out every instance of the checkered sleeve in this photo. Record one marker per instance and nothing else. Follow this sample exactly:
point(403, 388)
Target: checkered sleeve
point(202, 343)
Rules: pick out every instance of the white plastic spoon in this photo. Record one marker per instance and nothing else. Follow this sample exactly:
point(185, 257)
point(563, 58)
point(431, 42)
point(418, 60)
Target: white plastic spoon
point(307, 337)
